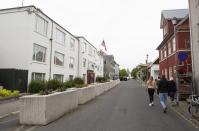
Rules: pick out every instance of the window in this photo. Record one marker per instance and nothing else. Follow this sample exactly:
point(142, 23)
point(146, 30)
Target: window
point(165, 73)
point(170, 72)
point(169, 48)
point(39, 53)
point(84, 62)
point(70, 77)
point(174, 44)
point(165, 52)
point(84, 47)
point(71, 65)
point(41, 25)
point(59, 59)
point(72, 44)
point(60, 37)
point(58, 77)
point(165, 30)
point(38, 76)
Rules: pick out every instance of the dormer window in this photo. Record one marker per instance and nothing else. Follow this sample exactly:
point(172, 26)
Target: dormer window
point(165, 29)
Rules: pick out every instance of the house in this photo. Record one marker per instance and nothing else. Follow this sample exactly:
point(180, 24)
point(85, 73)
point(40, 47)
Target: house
point(153, 69)
point(174, 50)
point(194, 28)
point(35, 47)
point(90, 61)
point(111, 68)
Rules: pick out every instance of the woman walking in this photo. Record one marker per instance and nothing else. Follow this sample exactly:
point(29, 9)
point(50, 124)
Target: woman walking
point(151, 89)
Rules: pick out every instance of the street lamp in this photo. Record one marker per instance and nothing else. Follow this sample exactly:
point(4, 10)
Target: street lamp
point(147, 56)
point(174, 22)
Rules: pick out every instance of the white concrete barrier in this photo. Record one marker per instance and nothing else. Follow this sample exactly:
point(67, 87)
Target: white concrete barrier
point(86, 94)
point(43, 109)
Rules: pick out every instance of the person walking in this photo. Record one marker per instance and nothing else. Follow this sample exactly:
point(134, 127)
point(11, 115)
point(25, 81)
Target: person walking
point(163, 92)
point(172, 89)
point(151, 85)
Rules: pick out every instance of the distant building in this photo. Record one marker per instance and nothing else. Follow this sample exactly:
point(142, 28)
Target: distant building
point(142, 71)
point(153, 69)
point(111, 68)
point(175, 43)
point(194, 27)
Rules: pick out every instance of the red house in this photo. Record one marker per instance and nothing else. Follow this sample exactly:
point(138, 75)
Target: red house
point(174, 50)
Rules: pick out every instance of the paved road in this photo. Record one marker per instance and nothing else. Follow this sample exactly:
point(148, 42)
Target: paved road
point(124, 108)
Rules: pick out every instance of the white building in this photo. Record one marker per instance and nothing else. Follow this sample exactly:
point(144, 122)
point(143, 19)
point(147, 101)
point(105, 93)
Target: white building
point(194, 28)
point(154, 69)
point(90, 61)
point(32, 41)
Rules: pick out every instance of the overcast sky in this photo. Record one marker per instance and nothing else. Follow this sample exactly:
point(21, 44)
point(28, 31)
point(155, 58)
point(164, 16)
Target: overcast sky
point(130, 28)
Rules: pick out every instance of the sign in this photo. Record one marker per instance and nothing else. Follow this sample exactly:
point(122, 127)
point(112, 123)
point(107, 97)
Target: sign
point(182, 56)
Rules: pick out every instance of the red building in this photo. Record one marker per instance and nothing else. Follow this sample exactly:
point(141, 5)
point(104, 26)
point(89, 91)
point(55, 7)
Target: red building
point(174, 50)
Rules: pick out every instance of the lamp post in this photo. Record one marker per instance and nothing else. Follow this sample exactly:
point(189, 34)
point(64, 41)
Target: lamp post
point(174, 22)
point(147, 56)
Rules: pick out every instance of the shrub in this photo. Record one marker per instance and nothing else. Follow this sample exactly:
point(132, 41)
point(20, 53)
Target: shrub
point(15, 93)
point(68, 84)
point(5, 93)
point(99, 79)
point(80, 86)
point(78, 81)
point(53, 85)
point(36, 86)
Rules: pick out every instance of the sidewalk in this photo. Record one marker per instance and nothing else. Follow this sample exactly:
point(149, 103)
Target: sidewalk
point(183, 112)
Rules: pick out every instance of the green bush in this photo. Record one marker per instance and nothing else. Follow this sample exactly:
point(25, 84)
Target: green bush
point(80, 86)
point(68, 84)
point(5, 93)
point(15, 93)
point(78, 81)
point(52, 85)
point(99, 79)
point(36, 86)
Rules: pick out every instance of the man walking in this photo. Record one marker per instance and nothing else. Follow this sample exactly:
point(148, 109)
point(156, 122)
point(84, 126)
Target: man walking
point(163, 92)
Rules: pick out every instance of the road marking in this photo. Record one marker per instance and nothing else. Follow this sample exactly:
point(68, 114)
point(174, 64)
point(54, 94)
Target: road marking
point(4, 116)
point(12, 113)
point(19, 128)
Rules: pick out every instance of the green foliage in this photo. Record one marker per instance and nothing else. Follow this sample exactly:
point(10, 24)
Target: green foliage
point(8, 93)
point(102, 79)
point(36, 86)
point(52, 85)
point(134, 72)
point(68, 84)
point(123, 73)
point(78, 81)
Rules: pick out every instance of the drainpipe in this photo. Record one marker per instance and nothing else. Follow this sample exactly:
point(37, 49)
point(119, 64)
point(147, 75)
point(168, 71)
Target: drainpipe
point(78, 59)
point(51, 42)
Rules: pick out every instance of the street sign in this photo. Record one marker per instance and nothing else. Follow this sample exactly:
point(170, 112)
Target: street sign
point(182, 56)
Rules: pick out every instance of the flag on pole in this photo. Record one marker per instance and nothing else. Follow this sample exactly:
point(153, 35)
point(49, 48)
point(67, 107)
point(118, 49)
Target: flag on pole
point(104, 45)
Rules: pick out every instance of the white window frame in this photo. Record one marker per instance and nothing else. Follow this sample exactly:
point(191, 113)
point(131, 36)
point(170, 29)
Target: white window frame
point(58, 77)
point(33, 76)
point(165, 30)
point(72, 61)
point(55, 62)
point(84, 47)
point(173, 44)
point(39, 29)
point(169, 48)
point(60, 36)
point(36, 50)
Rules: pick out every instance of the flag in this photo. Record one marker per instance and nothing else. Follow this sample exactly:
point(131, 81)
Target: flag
point(104, 45)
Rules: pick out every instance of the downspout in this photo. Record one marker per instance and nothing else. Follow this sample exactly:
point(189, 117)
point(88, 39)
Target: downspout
point(78, 59)
point(51, 42)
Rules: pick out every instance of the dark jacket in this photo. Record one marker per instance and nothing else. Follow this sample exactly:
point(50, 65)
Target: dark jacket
point(172, 86)
point(163, 86)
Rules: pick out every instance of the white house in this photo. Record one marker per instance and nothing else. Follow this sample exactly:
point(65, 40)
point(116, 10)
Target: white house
point(32, 41)
point(154, 69)
point(90, 61)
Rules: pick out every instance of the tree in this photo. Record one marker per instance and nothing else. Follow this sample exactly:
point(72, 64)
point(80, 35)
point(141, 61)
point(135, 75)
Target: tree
point(134, 72)
point(123, 73)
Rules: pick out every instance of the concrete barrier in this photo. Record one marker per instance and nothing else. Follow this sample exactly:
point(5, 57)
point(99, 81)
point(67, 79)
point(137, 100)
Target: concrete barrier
point(43, 109)
point(86, 94)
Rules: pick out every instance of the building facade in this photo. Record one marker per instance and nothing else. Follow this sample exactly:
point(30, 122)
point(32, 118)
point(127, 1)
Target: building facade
point(194, 28)
point(33, 42)
point(90, 61)
point(175, 47)
point(111, 68)
point(154, 69)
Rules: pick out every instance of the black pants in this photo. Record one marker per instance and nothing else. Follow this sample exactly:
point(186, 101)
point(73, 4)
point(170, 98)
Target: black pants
point(151, 94)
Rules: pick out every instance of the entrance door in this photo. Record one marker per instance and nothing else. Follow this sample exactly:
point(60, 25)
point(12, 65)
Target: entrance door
point(90, 76)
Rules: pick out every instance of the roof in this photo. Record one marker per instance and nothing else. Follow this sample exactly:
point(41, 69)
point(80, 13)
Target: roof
point(156, 61)
point(170, 14)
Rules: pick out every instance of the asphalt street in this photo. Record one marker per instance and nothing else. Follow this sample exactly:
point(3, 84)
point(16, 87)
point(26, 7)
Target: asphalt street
point(124, 108)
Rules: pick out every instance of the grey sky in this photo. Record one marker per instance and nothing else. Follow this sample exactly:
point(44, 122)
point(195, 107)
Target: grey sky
point(130, 28)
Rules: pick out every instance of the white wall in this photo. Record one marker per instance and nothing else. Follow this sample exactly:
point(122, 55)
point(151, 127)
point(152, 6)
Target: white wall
point(154, 68)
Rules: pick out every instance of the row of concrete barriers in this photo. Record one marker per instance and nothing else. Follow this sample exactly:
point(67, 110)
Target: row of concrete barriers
point(43, 109)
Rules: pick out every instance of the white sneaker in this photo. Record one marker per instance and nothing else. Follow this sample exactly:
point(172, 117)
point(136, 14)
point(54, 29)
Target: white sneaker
point(150, 104)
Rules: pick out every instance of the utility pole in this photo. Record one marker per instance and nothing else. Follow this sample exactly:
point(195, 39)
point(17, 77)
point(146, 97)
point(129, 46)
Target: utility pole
point(147, 56)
